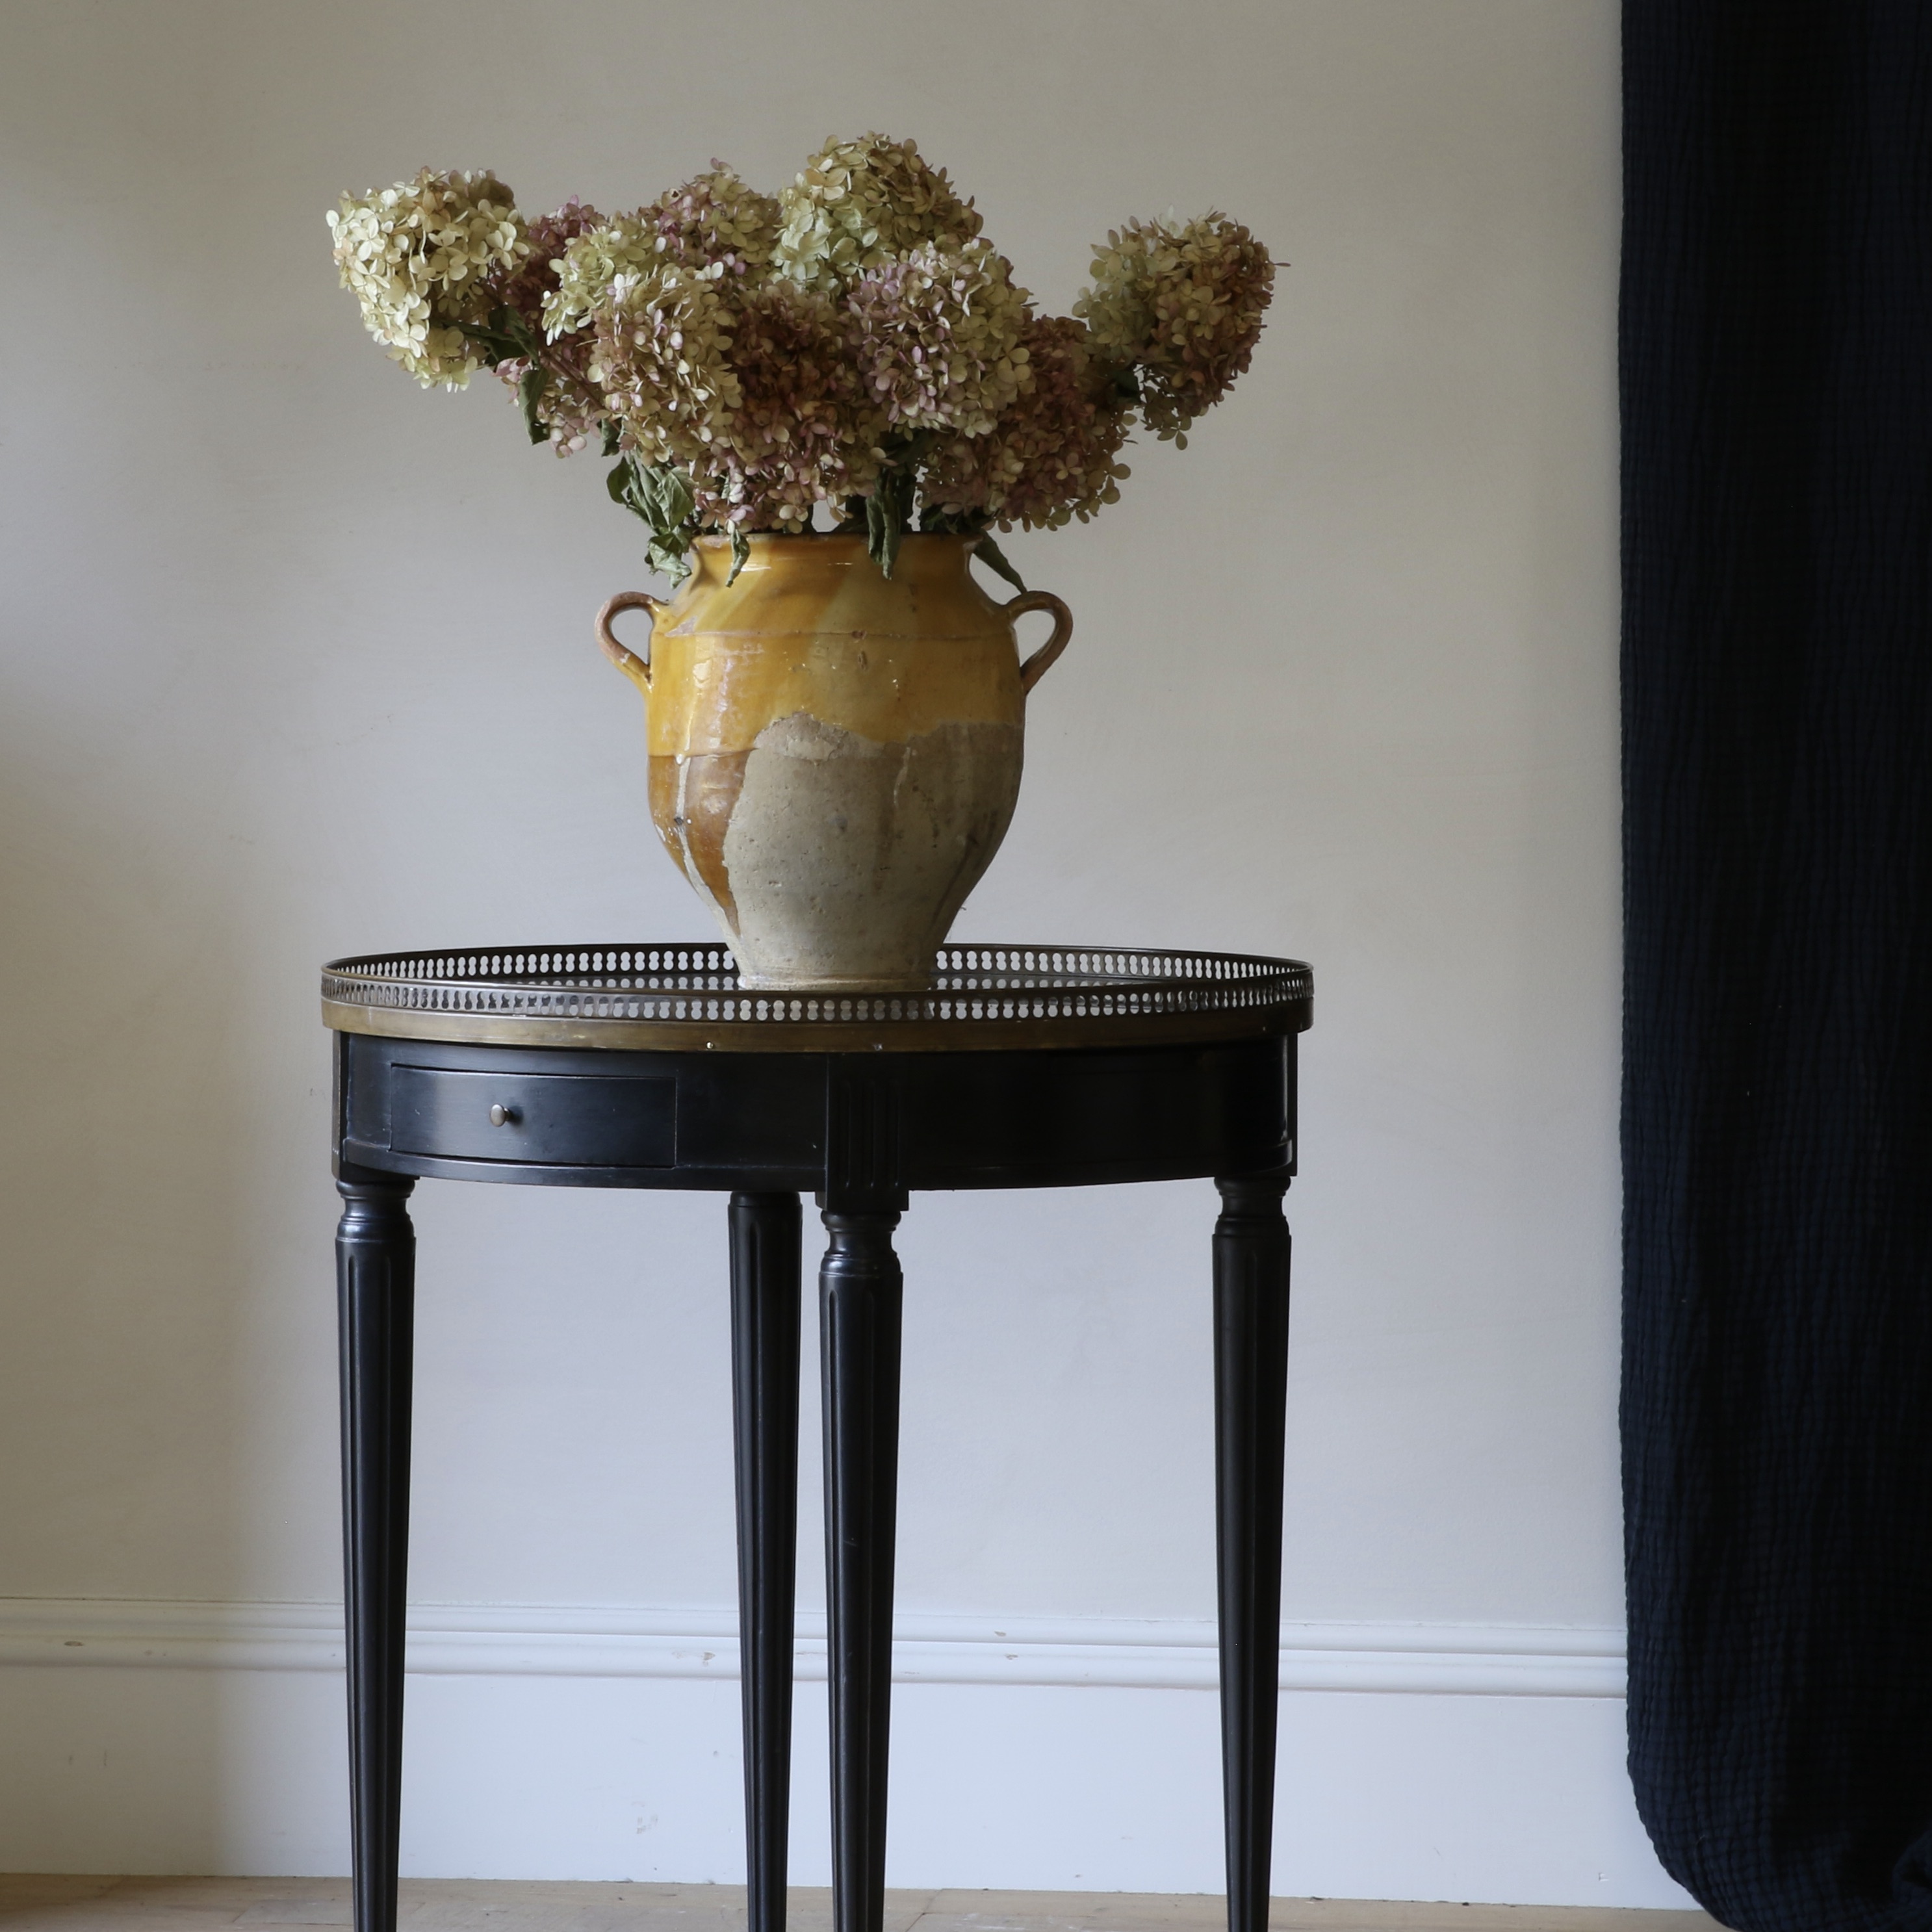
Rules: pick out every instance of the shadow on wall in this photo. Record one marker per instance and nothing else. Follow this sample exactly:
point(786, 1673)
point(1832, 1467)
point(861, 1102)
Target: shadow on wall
point(126, 1292)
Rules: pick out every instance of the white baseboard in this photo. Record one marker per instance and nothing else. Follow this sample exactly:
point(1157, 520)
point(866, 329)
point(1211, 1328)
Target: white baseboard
point(551, 1640)
point(1416, 1761)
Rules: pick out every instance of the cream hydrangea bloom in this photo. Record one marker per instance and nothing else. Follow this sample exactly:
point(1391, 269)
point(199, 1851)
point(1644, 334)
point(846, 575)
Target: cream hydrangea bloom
point(1184, 305)
point(860, 202)
point(419, 256)
point(936, 335)
point(662, 358)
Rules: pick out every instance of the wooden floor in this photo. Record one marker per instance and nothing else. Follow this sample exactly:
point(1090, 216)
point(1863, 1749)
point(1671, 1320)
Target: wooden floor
point(475, 1905)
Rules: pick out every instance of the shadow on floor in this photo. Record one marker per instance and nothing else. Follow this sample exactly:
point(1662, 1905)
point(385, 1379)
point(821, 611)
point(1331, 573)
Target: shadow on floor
point(28, 1903)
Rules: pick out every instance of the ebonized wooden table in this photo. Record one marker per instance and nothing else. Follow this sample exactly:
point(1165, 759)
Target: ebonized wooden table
point(648, 1066)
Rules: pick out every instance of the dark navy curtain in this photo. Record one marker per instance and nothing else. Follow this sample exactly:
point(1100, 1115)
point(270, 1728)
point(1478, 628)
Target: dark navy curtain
point(1777, 392)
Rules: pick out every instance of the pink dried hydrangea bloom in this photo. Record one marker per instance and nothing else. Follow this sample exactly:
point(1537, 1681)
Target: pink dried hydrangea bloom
point(1184, 305)
point(571, 405)
point(715, 217)
point(418, 258)
point(859, 202)
point(1053, 456)
point(662, 357)
point(655, 294)
point(803, 432)
point(523, 285)
point(936, 334)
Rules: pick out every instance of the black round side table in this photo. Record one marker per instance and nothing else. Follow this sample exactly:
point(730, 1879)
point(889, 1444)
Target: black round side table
point(648, 1066)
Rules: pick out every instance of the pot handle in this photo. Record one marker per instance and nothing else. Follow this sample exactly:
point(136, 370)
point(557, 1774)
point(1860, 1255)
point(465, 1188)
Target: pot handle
point(637, 669)
point(1042, 662)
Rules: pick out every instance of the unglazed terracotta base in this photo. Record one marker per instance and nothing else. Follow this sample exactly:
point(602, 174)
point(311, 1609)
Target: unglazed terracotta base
point(834, 756)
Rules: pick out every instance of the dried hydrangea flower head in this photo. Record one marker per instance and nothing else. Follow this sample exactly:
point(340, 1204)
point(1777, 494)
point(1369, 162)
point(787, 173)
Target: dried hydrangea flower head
point(591, 262)
point(1053, 457)
point(568, 406)
point(936, 335)
point(715, 217)
point(805, 430)
point(853, 341)
point(420, 257)
point(1183, 305)
point(859, 202)
point(662, 357)
point(524, 286)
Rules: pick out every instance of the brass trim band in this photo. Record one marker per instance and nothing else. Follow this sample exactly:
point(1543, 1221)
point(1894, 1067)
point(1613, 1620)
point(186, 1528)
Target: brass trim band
point(685, 998)
point(824, 1036)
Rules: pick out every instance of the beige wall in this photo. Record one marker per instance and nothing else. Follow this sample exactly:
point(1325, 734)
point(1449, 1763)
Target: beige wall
point(296, 660)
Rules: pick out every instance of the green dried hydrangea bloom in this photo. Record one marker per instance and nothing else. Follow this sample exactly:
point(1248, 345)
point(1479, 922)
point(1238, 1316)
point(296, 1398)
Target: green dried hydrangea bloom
point(858, 203)
point(662, 358)
point(936, 335)
point(591, 262)
point(418, 258)
point(1183, 305)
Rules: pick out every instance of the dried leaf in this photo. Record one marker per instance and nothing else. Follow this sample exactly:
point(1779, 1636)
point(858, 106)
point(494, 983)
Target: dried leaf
point(994, 558)
point(530, 386)
point(883, 530)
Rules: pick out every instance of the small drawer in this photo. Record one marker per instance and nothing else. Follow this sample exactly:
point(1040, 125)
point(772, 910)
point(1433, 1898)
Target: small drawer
point(558, 1119)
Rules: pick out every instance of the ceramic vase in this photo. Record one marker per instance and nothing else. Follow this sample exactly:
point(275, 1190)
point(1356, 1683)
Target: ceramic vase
point(834, 755)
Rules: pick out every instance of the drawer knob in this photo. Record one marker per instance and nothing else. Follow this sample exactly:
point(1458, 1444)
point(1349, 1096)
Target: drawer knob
point(501, 1116)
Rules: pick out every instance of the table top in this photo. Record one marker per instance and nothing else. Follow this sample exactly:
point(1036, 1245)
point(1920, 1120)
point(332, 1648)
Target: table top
point(683, 996)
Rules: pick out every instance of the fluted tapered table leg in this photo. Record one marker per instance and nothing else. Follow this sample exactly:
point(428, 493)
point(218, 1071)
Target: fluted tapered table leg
point(860, 1301)
point(765, 1297)
point(376, 1251)
point(1251, 1268)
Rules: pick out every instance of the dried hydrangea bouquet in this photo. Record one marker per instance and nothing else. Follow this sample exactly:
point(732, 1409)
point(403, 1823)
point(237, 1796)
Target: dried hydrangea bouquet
point(834, 706)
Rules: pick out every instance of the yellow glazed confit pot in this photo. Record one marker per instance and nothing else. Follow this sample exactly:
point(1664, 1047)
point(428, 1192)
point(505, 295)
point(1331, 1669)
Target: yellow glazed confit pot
point(835, 755)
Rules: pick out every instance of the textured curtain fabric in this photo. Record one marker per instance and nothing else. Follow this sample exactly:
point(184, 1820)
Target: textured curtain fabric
point(1776, 390)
